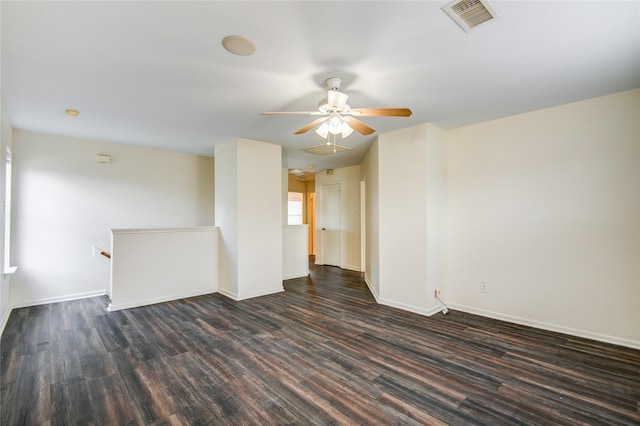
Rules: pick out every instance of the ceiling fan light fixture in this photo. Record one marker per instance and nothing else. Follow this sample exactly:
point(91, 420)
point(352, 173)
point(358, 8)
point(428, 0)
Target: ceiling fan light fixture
point(346, 130)
point(335, 125)
point(323, 130)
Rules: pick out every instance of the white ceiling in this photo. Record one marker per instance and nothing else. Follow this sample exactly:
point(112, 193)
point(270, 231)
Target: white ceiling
point(155, 74)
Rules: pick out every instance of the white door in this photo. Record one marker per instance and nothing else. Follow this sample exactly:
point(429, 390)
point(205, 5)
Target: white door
point(330, 211)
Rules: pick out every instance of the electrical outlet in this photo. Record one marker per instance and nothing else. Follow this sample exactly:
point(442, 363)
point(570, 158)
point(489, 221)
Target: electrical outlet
point(484, 287)
point(436, 293)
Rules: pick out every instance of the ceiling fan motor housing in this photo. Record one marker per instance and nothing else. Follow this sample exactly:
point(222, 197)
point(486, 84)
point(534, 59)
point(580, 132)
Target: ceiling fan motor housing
point(333, 83)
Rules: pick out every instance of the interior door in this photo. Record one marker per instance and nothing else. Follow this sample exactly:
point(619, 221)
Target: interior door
point(331, 233)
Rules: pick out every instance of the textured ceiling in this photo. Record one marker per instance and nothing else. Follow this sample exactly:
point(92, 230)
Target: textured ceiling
point(155, 74)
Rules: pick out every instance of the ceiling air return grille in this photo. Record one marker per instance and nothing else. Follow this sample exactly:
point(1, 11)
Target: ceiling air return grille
point(470, 13)
point(325, 149)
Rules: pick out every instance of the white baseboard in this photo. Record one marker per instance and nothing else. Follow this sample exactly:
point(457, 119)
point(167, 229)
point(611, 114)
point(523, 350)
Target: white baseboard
point(260, 293)
point(153, 301)
point(351, 268)
point(47, 301)
point(300, 274)
point(547, 326)
point(347, 267)
point(375, 294)
point(405, 307)
point(56, 299)
point(238, 297)
point(228, 294)
point(4, 319)
point(410, 308)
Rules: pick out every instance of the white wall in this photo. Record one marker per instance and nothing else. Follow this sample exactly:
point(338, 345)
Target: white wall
point(295, 256)
point(249, 215)
point(349, 180)
point(412, 203)
point(260, 210)
point(6, 140)
point(436, 168)
point(158, 265)
point(403, 217)
point(545, 207)
point(369, 173)
point(65, 203)
point(226, 207)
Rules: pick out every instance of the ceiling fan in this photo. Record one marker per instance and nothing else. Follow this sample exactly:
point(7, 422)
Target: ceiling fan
point(338, 118)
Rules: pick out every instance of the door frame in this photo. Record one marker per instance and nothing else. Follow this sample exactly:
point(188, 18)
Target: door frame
point(311, 221)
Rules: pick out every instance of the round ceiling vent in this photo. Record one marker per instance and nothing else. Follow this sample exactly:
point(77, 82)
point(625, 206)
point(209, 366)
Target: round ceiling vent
point(238, 45)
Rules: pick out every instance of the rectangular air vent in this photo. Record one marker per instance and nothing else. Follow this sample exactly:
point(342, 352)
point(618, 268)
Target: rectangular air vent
point(470, 13)
point(325, 149)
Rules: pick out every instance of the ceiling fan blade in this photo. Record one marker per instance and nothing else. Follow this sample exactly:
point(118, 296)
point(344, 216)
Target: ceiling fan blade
point(359, 126)
point(380, 112)
point(310, 126)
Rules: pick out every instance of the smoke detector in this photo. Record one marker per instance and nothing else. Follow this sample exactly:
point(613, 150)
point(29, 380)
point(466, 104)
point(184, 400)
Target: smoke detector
point(468, 14)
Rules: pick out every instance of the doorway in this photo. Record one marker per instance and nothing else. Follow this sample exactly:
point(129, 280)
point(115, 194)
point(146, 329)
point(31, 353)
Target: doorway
point(303, 184)
point(311, 220)
point(330, 232)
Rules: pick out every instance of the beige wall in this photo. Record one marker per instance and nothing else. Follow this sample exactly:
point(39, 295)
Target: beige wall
point(250, 255)
point(297, 185)
point(369, 174)
point(436, 187)
point(6, 140)
point(403, 218)
point(65, 203)
point(545, 208)
point(411, 206)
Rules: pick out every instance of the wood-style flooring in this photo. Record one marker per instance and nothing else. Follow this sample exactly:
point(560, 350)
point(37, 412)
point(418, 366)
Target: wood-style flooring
point(323, 352)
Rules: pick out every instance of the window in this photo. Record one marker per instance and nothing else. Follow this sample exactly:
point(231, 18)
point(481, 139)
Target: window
point(8, 269)
point(295, 208)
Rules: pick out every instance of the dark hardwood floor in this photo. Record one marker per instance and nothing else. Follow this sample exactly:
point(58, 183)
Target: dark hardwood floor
point(323, 352)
